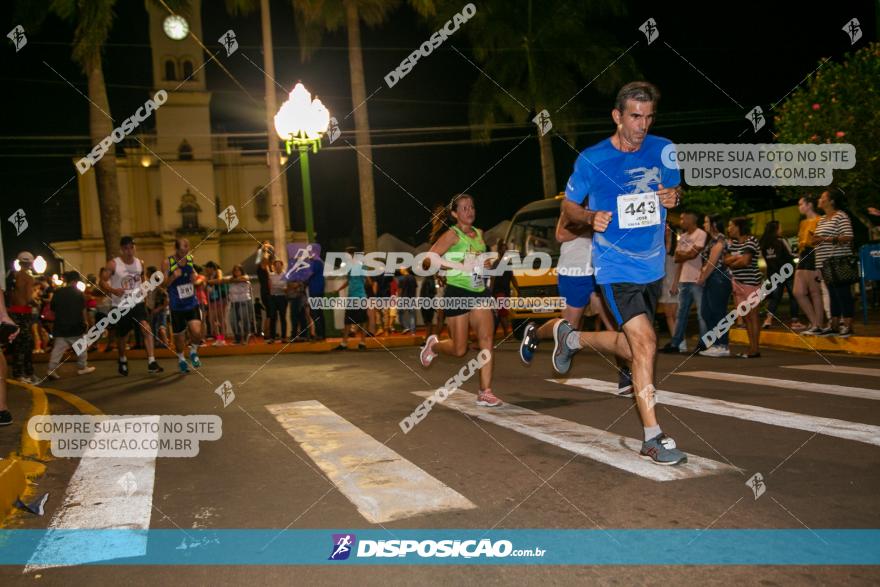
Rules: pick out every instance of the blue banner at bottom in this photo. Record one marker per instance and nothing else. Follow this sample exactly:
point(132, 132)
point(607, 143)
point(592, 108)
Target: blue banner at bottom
point(47, 548)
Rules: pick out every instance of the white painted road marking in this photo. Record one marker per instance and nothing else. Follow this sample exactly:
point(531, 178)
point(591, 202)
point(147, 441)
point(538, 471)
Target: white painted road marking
point(859, 392)
point(95, 500)
point(599, 445)
point(379, 482)
point(867, 433)
point(837, 369)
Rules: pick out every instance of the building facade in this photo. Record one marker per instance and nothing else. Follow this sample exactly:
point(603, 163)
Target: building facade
point(177, 181)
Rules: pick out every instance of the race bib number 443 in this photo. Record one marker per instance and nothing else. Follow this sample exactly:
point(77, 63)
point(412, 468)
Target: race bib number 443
point(638, 210)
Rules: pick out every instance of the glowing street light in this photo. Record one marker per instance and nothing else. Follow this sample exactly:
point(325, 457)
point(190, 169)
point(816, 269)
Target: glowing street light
point(301, 123)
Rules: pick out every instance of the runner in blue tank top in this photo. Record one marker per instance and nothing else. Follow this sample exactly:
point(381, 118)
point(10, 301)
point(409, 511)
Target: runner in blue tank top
point(185, 312)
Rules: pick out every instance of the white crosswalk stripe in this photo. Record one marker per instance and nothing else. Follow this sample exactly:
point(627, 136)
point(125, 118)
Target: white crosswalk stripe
point(836, 369)
point(596, 444)
point(383, 485)
point(95, 500)
point(859, 392)
point(866, 433)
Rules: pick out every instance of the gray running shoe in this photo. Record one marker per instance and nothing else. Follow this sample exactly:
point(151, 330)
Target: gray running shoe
point(561, 353)
point(662, 450)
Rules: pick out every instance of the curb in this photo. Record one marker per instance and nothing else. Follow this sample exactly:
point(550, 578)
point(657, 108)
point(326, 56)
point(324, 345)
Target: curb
point(857, 345)
point(19, 468)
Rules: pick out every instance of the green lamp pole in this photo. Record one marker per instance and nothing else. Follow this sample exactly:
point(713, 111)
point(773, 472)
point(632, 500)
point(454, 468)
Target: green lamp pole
point(301, 123)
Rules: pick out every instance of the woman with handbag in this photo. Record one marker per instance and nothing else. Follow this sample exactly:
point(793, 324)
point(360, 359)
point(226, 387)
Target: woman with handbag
point(807, 286)
point(836, 262)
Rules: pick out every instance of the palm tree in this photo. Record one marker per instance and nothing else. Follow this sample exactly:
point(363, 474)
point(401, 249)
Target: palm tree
point(93, 20)
point(542, 55)
point(316, 16)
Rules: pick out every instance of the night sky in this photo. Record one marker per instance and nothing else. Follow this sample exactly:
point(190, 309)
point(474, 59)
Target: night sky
point(754, 52)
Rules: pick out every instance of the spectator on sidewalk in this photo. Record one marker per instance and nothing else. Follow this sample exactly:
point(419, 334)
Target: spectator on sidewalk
point(240, 299)
point(5, 319)
point(297, 300)
point(741, 257)
point(21, 309)
point(833, 239)
point(157, 302)
point(316, 290)
point(277, 302)
point(777, 254)
point(807, 289)
point(406, 290)
point(717, 285)
point(69, 305)
point(668, 301)
point(354, 317)
point(689, 263)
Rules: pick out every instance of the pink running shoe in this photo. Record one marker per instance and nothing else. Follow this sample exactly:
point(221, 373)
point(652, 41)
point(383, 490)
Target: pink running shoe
point(427, 355)
point(487, 399)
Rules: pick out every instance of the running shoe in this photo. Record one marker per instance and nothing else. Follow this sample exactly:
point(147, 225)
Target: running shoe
point(624, 382)
point(154, 367)
point(487, 399)
point(716, 351)
point(812, 331)
point(826, 332)
point(29, 379)
point(123, 368)
point(53, 375)
point(181, 363)
point(85, 371)
point(194, 359)
point(561, 353)
point(427, 355)
point(662, 450)
point(669, 349)
point(844, 332)
point(5, 417)
point(529, 343)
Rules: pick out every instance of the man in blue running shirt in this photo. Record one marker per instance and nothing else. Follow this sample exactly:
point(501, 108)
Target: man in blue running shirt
point(622, 189)
point(185, 312)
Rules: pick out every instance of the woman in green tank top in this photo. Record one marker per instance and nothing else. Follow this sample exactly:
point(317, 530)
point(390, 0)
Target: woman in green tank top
point(456, 248)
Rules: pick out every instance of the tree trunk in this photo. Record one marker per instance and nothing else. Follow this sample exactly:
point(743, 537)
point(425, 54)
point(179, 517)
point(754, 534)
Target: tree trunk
point(273, 154)
point(548, 170)
point(101, 126)
point(362, 126)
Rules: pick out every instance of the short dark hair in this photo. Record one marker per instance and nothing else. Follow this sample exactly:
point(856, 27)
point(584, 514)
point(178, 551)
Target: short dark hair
point(70, 276)
point(639, 91)
point(743, 224)
point(126, 240)
point(695, 216)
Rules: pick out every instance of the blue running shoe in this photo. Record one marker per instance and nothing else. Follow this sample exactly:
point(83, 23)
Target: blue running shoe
point(184, 368)
point(194, 359)
point(561, 353)
point(625, 382)
point(529, 343)
point(662, 450)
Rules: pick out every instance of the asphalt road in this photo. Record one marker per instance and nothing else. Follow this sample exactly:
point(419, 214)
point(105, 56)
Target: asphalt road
point(285, 464)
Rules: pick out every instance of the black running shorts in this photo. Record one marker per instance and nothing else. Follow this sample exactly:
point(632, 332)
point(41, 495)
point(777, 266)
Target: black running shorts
point(628, 300)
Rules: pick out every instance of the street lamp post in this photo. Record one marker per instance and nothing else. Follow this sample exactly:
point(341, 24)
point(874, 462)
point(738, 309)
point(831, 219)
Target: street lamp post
point(301, 122)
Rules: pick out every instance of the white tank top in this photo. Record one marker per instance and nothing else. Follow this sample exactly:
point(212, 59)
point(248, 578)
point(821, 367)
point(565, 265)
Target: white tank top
point(127, 277)
point(576, 257)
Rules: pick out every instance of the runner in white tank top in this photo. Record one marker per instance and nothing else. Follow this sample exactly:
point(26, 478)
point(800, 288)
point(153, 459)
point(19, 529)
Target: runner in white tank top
point(126, 275)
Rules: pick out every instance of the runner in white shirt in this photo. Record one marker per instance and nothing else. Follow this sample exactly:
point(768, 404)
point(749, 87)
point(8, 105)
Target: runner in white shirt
point(126, 275)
